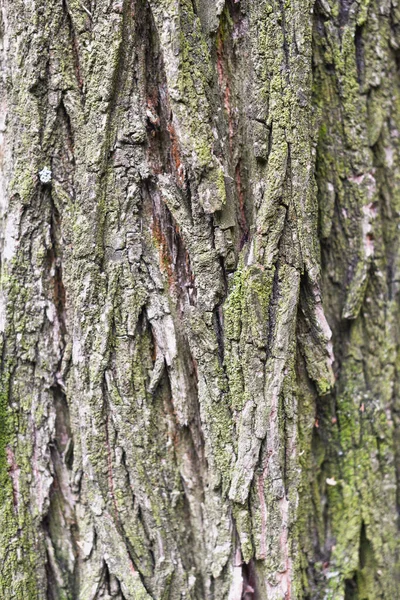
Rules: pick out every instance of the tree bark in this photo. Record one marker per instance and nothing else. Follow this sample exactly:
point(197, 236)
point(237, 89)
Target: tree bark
point(199, 303)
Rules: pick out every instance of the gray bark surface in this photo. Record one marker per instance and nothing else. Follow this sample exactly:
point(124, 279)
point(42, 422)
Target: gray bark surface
point(199, 299)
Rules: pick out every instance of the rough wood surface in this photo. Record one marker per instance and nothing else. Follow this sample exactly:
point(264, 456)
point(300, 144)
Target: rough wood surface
point(199, 302)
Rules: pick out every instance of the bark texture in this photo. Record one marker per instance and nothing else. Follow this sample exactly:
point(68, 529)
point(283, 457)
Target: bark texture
point(199, 303)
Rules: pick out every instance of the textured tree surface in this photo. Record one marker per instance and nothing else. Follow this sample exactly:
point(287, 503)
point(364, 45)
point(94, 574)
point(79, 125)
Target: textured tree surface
point(199, 303)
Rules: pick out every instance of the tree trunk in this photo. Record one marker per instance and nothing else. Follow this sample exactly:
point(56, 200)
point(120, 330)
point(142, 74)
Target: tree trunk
point(199, 304)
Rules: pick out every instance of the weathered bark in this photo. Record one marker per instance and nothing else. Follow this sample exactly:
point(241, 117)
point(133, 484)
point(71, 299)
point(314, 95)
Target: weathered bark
point(200, 370)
